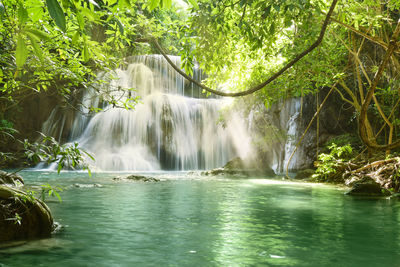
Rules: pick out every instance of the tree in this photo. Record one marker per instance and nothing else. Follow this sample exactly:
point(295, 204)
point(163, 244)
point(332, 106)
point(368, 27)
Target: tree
point(245, 48)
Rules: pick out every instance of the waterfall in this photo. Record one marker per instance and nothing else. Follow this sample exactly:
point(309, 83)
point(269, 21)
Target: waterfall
point(289, 123)
point(275, 131)
point(173, 127)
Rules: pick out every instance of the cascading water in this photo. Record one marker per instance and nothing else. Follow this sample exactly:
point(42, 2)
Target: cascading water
point(289, 122)
point(172, 128)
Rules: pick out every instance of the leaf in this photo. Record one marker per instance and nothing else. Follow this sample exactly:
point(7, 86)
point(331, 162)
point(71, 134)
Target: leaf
point(57, 14)
point(22, 14)
point(120, 26)
point(85, 53)
point(57, 195)
point(167, 3)
point(2, 9)
point(35, 45)
point(59, 167)
point(154, 4)
point(194, 3)
point(21, 53)
point(81, 21)
point(39, 34)
point(75, 38)
point(89, 14)
point(65, 4)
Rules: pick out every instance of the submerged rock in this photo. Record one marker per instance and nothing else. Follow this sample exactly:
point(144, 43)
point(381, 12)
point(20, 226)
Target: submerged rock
point(137, 178)
point(367, 186)
point(239, 167)
point(22, 216)
point(87, 185)
point(11, 179)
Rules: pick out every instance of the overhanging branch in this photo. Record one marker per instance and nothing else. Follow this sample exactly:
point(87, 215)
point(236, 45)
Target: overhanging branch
point(261, 85)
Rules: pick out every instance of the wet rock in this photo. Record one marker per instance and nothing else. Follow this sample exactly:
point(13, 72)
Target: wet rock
point(239, 167)
point(11, 179)
point(137, 178)
point(87, 185)
point(367, 186)
point(22, 216)
point(304, 174)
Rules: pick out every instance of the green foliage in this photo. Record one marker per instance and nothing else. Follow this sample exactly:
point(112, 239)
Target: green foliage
point(328, 163)
point(49, 190)
point(7, 129)
point(49, 151)
point(57, 14)
point(343, 140)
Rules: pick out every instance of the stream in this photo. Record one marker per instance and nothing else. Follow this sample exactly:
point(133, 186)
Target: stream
point(191, 220)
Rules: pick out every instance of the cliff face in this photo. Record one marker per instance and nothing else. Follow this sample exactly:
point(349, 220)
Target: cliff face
point(277, 130)
point(28, 118)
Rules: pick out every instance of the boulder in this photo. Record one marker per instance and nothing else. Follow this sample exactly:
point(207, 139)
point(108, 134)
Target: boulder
point(137, 178)
point(11, 179)
point(22, 216)
point(304, 174)
point(367, 186)
point(239, 167)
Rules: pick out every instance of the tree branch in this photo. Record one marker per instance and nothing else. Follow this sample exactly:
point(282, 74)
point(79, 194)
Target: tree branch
point(261, 85)
point(372, 39)
point(370, 94)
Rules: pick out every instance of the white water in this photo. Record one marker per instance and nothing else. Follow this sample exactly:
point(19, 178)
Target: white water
point(287, 120)
point(169, 129)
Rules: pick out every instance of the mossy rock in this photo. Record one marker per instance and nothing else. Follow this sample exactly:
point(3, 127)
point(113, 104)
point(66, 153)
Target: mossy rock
point(241, 168)
point(137, 178)
point(23, 217)
point(368, 187)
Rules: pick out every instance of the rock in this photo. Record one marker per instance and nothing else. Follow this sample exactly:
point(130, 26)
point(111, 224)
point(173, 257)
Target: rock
point(304, 174)
point(22, 216)
point(11, 179)
point(239, 167)
point(87, 185)
point(367, 186)
point(138, 178)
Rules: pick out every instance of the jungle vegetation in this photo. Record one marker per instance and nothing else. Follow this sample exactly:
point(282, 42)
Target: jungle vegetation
point(269, 49)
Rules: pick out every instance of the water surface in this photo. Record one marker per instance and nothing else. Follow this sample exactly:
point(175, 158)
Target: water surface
point(187, 220)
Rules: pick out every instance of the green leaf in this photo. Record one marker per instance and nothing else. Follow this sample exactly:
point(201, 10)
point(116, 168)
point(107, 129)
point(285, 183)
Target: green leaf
point(120, 26)
point(89, 14)
point(65, 4)
point(35, 45)
point(57, 14)
point(2, 9)
point(21, 53)
point(85, 53)
point(22, 14)
point(38, 34)
point(59, 167)
point(194, 3)
point(154, 4)
point(58, 196)
point(167, 3)
point(75, 38)
point(81, 21)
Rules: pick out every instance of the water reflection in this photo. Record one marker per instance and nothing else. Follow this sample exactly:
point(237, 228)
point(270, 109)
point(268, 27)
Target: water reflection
point(225, 222)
